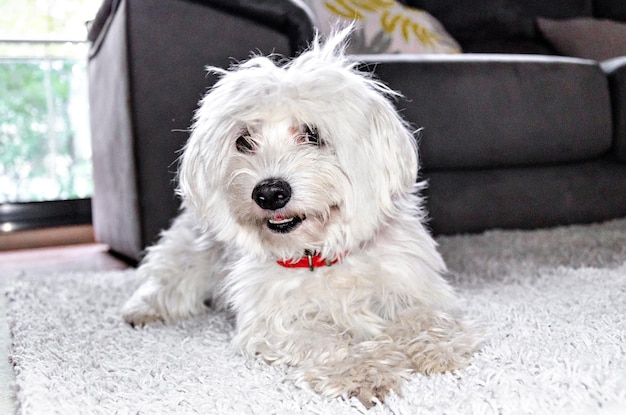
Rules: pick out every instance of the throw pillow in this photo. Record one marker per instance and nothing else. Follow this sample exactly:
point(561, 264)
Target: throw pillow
point(585, 37)
point(383, 26)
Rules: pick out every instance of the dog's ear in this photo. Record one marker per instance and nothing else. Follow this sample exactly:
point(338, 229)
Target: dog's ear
point(202, 167)
point(391, 136)
point(390, 160)
point(377, 152)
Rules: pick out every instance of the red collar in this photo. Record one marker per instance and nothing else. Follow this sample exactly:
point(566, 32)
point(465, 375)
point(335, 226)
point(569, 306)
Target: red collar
point(309, 261)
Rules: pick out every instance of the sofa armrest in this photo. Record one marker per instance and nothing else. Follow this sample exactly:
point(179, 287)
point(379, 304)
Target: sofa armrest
point(483, 110)
point(616, 72)
point(146, 74)
point(283, 15)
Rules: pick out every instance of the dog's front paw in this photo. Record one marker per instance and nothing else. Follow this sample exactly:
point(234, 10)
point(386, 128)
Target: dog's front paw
point(373, 389)
point(369, 383)
point(141, 309)
point(137, 313)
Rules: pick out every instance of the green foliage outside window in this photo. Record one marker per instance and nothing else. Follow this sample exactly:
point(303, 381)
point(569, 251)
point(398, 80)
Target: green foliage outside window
point(43, 107)
point(44, 126)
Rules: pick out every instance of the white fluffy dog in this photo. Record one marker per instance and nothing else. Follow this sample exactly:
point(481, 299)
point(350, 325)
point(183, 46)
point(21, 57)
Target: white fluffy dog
point(301, 215)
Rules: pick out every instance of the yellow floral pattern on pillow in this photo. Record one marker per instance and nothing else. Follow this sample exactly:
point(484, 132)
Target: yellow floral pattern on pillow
point(385, 26)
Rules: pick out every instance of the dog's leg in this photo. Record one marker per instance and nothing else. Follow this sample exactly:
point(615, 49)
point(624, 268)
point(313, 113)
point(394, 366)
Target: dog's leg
point(368, 370)
point(434, 341)
point(180, 273)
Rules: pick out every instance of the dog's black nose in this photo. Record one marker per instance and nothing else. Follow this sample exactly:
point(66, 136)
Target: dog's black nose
point(272, 194)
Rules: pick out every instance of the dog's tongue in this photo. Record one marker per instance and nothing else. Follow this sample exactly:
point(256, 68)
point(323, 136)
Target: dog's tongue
point(282, 224)
point(280, 219)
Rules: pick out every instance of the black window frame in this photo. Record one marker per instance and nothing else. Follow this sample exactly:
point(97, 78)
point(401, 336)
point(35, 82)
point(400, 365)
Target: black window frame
point(38, 215)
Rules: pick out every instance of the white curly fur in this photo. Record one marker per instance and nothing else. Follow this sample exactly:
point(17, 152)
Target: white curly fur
point(356, 328)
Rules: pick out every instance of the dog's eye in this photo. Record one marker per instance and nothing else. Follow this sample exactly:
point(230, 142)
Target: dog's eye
point(245, 144)
point(311, 136)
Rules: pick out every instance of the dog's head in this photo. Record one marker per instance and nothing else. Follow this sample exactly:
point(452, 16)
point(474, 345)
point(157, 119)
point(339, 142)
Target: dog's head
point(308, 154)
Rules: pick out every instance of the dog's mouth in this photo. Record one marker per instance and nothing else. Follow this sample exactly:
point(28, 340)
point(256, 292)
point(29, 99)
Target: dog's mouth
point(282, 224)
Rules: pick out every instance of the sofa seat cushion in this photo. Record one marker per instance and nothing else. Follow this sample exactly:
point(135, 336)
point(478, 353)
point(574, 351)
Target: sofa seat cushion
point(616, 72)
point(462, 201)
point(484, 110)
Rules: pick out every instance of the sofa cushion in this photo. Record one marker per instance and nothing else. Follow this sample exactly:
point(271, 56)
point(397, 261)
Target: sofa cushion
point(500, 26)
point(588, 38)
point(610, 9)
point(384, 27)
point(462, 201)
point(484, 110)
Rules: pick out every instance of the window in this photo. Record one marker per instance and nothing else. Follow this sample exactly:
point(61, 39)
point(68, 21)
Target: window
point(45, 152)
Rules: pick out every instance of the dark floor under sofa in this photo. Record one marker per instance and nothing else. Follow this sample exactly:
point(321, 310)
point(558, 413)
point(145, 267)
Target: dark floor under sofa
point(516, 132)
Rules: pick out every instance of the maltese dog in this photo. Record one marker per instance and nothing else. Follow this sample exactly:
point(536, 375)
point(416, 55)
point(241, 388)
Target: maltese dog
point(301, 215)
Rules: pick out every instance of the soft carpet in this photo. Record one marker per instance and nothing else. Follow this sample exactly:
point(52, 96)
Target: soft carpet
point(552, 304)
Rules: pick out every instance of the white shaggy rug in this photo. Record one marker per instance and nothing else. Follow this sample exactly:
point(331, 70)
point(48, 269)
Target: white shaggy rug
point(552, 303)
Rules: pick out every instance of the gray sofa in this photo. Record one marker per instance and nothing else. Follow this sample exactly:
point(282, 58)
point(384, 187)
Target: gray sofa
point(514, 136)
